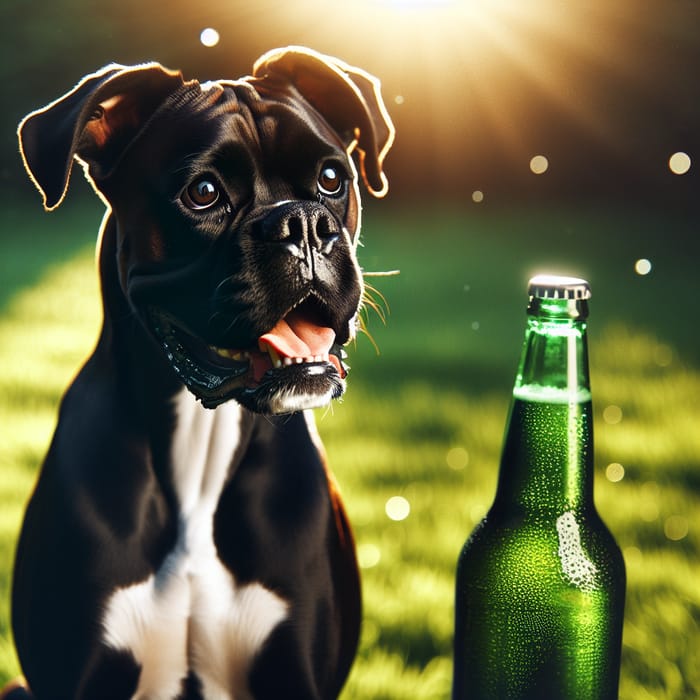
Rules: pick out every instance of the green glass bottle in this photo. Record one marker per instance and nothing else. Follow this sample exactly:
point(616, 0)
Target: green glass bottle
point(541, 582)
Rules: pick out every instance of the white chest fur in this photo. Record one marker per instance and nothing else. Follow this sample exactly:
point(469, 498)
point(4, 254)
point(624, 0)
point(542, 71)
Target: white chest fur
point(190, 615)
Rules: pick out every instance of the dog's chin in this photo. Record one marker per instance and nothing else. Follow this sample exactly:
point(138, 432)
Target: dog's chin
point(279, 391)
point(249, 377)
point(291, 389)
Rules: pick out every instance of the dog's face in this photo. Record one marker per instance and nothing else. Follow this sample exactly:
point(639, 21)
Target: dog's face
point(236, 210)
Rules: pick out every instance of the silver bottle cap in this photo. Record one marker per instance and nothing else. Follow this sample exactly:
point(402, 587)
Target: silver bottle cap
point(557, 287)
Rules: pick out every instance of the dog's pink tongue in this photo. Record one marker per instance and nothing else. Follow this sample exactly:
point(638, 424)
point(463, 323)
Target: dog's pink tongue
point(297, 336)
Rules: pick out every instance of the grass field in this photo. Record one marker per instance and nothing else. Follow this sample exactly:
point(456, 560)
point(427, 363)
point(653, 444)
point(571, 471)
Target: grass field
point(423, 419)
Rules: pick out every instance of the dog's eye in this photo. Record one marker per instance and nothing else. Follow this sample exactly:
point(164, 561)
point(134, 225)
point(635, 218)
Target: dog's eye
point(202, 193)
point(330, 181)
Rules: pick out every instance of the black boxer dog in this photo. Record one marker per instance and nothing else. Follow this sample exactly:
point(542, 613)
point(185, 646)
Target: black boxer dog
point(184, 539)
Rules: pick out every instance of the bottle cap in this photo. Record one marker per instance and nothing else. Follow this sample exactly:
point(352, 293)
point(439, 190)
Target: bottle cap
point(556, 287)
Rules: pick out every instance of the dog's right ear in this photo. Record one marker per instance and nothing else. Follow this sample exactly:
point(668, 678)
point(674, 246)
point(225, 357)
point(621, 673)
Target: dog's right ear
point(95, 121)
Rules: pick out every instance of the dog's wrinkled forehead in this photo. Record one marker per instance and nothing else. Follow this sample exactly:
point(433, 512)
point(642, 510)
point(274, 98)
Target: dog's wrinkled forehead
point(270, 143)
point(239, 121)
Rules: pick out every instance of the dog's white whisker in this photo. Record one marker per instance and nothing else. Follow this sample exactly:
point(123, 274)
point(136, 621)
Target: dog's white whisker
point(387, 273)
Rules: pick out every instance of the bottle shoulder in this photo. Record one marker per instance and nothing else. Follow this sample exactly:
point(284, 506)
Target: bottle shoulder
point(540, 550)
point(508, 522)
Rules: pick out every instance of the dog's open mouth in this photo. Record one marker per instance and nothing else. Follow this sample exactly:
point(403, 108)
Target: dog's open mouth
point(296, 365)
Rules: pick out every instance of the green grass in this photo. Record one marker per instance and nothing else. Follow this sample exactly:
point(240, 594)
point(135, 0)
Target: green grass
point(441, 382)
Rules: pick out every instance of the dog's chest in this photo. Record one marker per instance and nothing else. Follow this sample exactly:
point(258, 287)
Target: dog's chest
point(190, 616)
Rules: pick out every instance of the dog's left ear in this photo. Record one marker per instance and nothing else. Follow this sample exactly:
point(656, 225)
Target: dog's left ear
point(348, 98)
point(96, 121)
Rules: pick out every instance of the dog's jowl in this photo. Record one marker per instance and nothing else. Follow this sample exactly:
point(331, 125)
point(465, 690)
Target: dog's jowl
point(184, 539)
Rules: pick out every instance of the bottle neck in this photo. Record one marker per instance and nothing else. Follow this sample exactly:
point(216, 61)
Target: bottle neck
point(554, 358)
point(547, 460)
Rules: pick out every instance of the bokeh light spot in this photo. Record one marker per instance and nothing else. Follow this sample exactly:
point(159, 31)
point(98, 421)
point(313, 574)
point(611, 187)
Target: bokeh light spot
point(648, 511)
point(477, 196)
point(397, 508)
point(209, 37)
point(676, 527)
point(539, 165)
point(615, 472)
point(457, 458)
point(612, 414)
point(679, 163)
point(642, 266)
point(399, 99)
point(368, 555)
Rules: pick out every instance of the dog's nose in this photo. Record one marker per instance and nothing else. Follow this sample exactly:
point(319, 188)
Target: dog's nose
point(299, 226)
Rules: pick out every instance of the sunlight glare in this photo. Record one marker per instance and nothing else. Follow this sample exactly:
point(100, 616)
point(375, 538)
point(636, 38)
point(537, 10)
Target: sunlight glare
point(494, 65)
point(418, 4)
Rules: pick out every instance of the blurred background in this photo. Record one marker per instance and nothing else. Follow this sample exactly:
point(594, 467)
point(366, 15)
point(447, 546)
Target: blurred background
point(532, 136)
point(606, 92)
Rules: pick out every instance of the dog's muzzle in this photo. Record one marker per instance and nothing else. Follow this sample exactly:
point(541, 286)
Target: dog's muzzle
point(296, 364)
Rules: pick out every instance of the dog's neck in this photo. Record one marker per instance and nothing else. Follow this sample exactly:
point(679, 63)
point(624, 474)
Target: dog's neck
point(145, 377)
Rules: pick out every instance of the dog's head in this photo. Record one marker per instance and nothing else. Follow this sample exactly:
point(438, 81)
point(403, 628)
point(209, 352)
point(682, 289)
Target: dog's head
point(235, 214)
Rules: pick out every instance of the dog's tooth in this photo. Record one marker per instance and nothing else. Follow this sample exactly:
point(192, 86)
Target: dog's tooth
point(299, 360)
point(287, 361)
point(274, 357)
point(229, 354)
